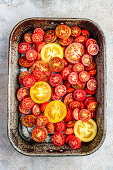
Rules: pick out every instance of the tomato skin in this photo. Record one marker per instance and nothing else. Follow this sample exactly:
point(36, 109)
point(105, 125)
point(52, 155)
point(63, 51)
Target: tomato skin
point(70, 66)
point(73, 77)
point(37, 37)
point(27, 103)
point(42, 120)
point(23, 111)
point(22, 75)
point(60, 126)
point(70, 90)
point(68, 116)
point(92, 72)
point(84, 76)
point(75, 114)
point(38, 56)
point(67, 41)
point(50, 36)
point(91, 66)
point(66, 63)
point(86, 33)
point(70, 123)
point(74, 142)
point(86, 59)
point(50, 127)
point(92, 115)
point(90, 41)
point(29, 120)
point(84, 115)
point(92, 85)
point(74, 104)
point(75, 31)
point(58, 139)
point(43, 106)
point(78, 67)
point(55, 97)
point(23, 47)
point(79, 85)
point(68, 99)
point(67, 84)
point(69, 131)
point(22, 93)
point(39, 30)
point(38, 75)
point(92, 106)
point(63, 31)
point(88, 99)
point(81, 39)
point(29, 81)
point(36, 110)
point(82, 105)
point(55, 79)
point(65, 72)
point(79, 95)
point(28, 38)
point(39, 134)
point(39, 46)
point(56, 64)
point(93, 49)
point(60, 90)
point(90, 92)
point(68, 137)
point(24, 62)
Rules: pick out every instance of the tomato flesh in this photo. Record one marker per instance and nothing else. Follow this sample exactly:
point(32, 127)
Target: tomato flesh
point(24, 62)
point(78, 67)
point(29, 120)
point(36, 110)
point(69, 131)
point(74, 142)
point(38, 75)
point(39, 134)
point(50, 36)
point(22, 75)
point(29, 81)
point(84, 76)
point(50, 127)
point(92, 85)
point(75, 31)
point(42, 120)
point(27, 103)
point(68, 116)
point(75, 113)
point(28, 38)
point(22, 93)
point(58, 139)
point(79, 95)
point(60, 90)
point(55, 79)
point(23, 47)
point(86, 59)
point(56, 64)
point(73, 78)
point(65, 72)
point(60, 126)
point(84, 115)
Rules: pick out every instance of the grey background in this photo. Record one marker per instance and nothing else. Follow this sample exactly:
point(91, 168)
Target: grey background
point(11, 12)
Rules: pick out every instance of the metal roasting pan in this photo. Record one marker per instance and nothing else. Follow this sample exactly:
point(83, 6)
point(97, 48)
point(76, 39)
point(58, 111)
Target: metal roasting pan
point(18, 135)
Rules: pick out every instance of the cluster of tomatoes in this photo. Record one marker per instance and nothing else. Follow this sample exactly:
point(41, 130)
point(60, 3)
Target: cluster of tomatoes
point(57, 92)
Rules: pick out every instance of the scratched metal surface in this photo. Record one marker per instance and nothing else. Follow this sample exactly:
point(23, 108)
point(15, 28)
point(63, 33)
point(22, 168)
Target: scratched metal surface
point(11, 12)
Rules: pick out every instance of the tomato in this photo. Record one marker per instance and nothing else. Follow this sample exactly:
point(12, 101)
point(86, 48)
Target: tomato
point(86, 33)
point(29, 81)
point(65, 72)
point(74, 104)
point(38, 75)
point(75, 113)
point(22, 75)
point(24, 111)
point(28, 38)
point(40, 92)
point(60, 126)
point(92, 115)
point(86, 59)
point(60, 90)
point(75, 31)
point(79, 85)
point(69, 131)
point(74, 52)
point(58, 139)
point(92, 72)
point(43, 106)
point(50, 36)
point(24, 62)
point(23, 47)
point(90, 41)
point(36, 110)
point(39, 30)
point(51, 50)
point(42, 120)
point(68, 137)
point(70, 66)
point(84, 76)
point(38, 56)
point(80, 39)
point(92, 85)
point(27, 103)
point(70, 90)
point(63, 31)
point(56, 64)
point(68, 116)
point(66, 41)
point(84, 115)
point(79, 95)
point(29, 120)
point(65, 62)
point(85, 131)
point(55, 97)
point(93, 49)
point(90, 92)
point(70, 123)
point(39, 46)
point(67, 84)
point(91, 66)
point(55, 79)
point(22, 93)
point(50, 127)
point(78, 67)
point(73, 77)
point(43, 67)
point(37, 37)
point(82, 105)
point(74, 142)
point(92, 106)
point(55, 111)
point(88, 99)
point(31, 55)
point(39, 134)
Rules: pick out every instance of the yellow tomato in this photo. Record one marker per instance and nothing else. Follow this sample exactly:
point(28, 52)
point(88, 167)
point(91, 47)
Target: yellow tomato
point(51, 50)
point(85, 131)
point(55, 111)
point(40, 92)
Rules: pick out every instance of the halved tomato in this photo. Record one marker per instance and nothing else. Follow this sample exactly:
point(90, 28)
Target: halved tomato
point(74, 52)
point(63, 31)
point(80, 39)
point(93, 49)
point(70, 124)
point(31, 55)
point(65, 62)
point(39, 30)
point(60, 126)
point(75, 31)
point(39, 134)
point(42, 120)
point(88, 99)
point(70, 90)
point(86, 59)
point(92, 85)
point(84, 115)
point(24, 62)
point(84, 76)
point(23, 47)
point(91, 66)
point(24, 111)
point(70, 66)
point(56, 64)
point(75, 113)
point(37, 37)
point(82, 105)
point(79, 85)
point(74, 142)
point(55, 79)
point(58, 139)
point(67, 84)
point(68, 116)
point(90, 41)
point(22, 75)
point(38, 75)
point(50, 36)
point(29, 81)
point(60, 90)
point(39, 46)
point(92, 72)
point(65, 72)
point(43, 106)
point(86, 33)
point(38, 56)
point(50, 127)
point(92, 106)
point(29, 120)
point(55, 97)
point(69, 131)
point(74, 104)
point(78, 67)
point(68, 137)
point(89, 92)
point(28, 38)
point(79, 95)
point(73, 77)
point(66, 41)
point(36, 110)
point(22, 93)
point(27, 103)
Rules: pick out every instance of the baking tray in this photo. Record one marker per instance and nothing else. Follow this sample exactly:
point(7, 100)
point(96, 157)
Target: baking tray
point(18, 135)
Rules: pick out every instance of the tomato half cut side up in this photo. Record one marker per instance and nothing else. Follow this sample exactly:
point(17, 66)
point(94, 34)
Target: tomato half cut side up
point(60, 126)
point(75, 113)
point(93, 49)
point(56, 64)
point(90, 92)
point(88, 99)
point(63, 31)
point(55, 79)
point(24, 62)
point(68, 116)
point(27, 103)
point(68, 137)
point(55, 97)
point(90, 41)
point(22, 93)
point(73, 78)
point(24, 111)
point(70, 124)
point(92, 106)
point(91, 66)
point(36, 110)
point(39, 134)
point(38, 75)
point(74, 104)
point(37, 37)
point(66, 63)
point(50, 36)
point(65, 72)
point(69, 131)
point(74, 142)
point(78, 67)
point(31, 55)
point(28, 38)
point(81, 39)
point(92, 72)
point(86, 59)
point(50, 127)
point(43, 106)
point(22, 75)
point(39, 46)
point(79, 95)
point(29, 120)
point(86, 33)
point(23, 47)
point(60, 90)
point(92, 85)
point(79, 85)
point(39, 30)
point(75, 31)
point(67, 41)
point(58, 139)
point(29, 81)
point(84, 115)
point(84, 76)
point(70, 90)
point(42, 120)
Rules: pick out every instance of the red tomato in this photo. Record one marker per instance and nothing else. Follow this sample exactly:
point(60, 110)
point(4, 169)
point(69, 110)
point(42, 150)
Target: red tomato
point(85, 33)
point(50, 127)
point(38, 75)
point(68, 98)
point(86, 59)
point(70, 66)
point(37, 37)
point(84, 76)
point(60, 126)
point(42, 120)
point(92, 72)
point(58, 139)
point(92, 115)
point(56, 64)
point(79, 95)
point(63, 31)
point(92, 106)
point(66, 41)
point(31, 55)
point(38, 56)
point(69, 131)
point(22, 75)
point(74, 104)
point(28, 38)
point(24, 62)
point(88, 99)
point(43, 106)
point(91, 66)
point(34, 46)
point(60, 90)
point(50, 36)
point(23, 47)
point(24, 111)
point(93, 49)
point(75, 113)
point(39, 134)
point(27, 103)
point(80, 39)
point(90, 41)
point(55, 97)
point(75, 31)
point(55, 79)
point(84, 115)
point(74, 142)
point(73, 78)
point(29, 81)
point(92, 85)
point(68, 137)
point(22, 93)
point(67, 84)
point(36, 110)
point(65, 72)
point(78, 67)
point(65, 62)
point(68, 116)
point(90, 92)
point(29, 120)
point(70, 123)
point(70, 90)
point(39, 30)
point(39, 46)
point(79, 85)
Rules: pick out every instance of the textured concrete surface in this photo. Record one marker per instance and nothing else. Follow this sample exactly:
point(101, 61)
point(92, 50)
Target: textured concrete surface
point(11, 12)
